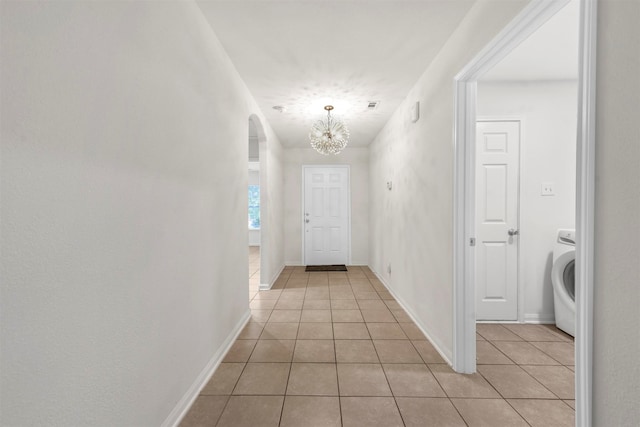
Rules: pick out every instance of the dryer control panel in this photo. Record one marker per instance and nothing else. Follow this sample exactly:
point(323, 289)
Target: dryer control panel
point(567, 236)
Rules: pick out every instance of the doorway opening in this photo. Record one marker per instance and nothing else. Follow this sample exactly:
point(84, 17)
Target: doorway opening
point(465, 251)
point(256, 203)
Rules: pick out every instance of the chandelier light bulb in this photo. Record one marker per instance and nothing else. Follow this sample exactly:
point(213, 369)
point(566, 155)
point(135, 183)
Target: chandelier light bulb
point(329, 137)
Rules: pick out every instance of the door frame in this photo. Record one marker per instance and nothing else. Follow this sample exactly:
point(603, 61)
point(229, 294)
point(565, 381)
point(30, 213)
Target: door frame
point(266, 279)
point(530, 19)
point(519, 278)
point(302, 198)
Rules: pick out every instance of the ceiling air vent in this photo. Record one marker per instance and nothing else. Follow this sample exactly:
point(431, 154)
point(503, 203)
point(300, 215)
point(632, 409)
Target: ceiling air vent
point(373, 105)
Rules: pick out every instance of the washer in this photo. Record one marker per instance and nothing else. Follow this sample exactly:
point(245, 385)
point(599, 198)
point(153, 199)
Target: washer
point(563, 279)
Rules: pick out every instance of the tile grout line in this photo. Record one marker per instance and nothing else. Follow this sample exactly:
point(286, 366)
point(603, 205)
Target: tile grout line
point(335, 355)
point(378, 292)
point(384, 372)
point(521, 367)
point(223, 409)
point(286, 388)
point(251, 299)
point(445, 392)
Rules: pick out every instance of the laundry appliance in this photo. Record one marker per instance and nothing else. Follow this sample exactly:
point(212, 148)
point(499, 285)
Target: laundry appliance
point(563, 279)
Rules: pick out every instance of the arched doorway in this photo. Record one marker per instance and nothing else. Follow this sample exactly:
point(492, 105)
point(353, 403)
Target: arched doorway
point(257, 203)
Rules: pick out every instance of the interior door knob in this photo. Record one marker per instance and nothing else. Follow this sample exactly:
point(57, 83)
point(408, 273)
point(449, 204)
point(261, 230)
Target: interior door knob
point(513, 232)
point(306, 220)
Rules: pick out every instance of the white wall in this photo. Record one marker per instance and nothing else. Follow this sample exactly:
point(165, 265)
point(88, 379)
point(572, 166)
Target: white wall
point(254, 150)
point(617, 217)
point(124, 177)
point(254, 179)
point(272, 220)
point(412, 225)
point(358, 160)
point(548, 111)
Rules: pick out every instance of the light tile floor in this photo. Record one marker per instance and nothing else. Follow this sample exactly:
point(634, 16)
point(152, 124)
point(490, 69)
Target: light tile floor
point(335, 349)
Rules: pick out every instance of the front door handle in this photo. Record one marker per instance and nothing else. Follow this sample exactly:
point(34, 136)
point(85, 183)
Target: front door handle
point(513, 232)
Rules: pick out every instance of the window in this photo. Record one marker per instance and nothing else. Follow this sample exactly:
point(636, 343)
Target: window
point(254, 207)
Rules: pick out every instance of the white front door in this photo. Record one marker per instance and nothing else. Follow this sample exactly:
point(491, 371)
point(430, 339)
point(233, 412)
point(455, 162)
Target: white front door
point(326, 215)
point(497, 174)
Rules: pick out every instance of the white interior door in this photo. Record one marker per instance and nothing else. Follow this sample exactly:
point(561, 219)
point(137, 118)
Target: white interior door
point(326, 215)
point(497, 201)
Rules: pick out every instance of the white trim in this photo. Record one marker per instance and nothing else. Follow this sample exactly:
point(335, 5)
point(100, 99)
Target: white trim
point(348, 168)
point(585, 206)
point(302, 191)
point(437, 345)
point(533, 15)
point(183, 406)
point(270, 283)
point(540, 318)
point(263, 150)
point(464, 310)
point(536, 13)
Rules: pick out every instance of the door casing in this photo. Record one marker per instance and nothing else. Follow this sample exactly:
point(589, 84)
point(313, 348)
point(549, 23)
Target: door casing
point(533, 15)
point(302, 198)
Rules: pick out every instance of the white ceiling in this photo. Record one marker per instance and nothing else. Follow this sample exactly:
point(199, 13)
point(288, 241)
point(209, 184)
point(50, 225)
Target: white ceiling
point(306, 54)
point(551, 53)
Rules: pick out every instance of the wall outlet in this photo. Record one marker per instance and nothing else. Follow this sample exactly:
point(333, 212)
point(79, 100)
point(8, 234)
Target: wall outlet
point(548, 189)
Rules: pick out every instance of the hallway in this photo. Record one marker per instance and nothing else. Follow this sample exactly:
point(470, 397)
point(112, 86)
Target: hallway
point(335, 349)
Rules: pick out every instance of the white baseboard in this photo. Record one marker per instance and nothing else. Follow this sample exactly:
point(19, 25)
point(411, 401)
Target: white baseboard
point(436, 343)
point(532, 318)
point(544, 318)
point(299, 264)
point(181, 409)
point(267, 286)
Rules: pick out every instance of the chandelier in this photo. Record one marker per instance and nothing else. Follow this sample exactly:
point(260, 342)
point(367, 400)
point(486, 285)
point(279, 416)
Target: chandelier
point(329, 137)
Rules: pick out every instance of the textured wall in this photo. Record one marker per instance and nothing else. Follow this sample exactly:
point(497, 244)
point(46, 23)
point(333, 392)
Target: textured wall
point(411, 226)
point(272, 198)
point(617, 225)
point(124, 177)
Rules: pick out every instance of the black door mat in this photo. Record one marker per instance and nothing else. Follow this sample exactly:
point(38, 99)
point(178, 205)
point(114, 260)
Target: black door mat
point(339, 267)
